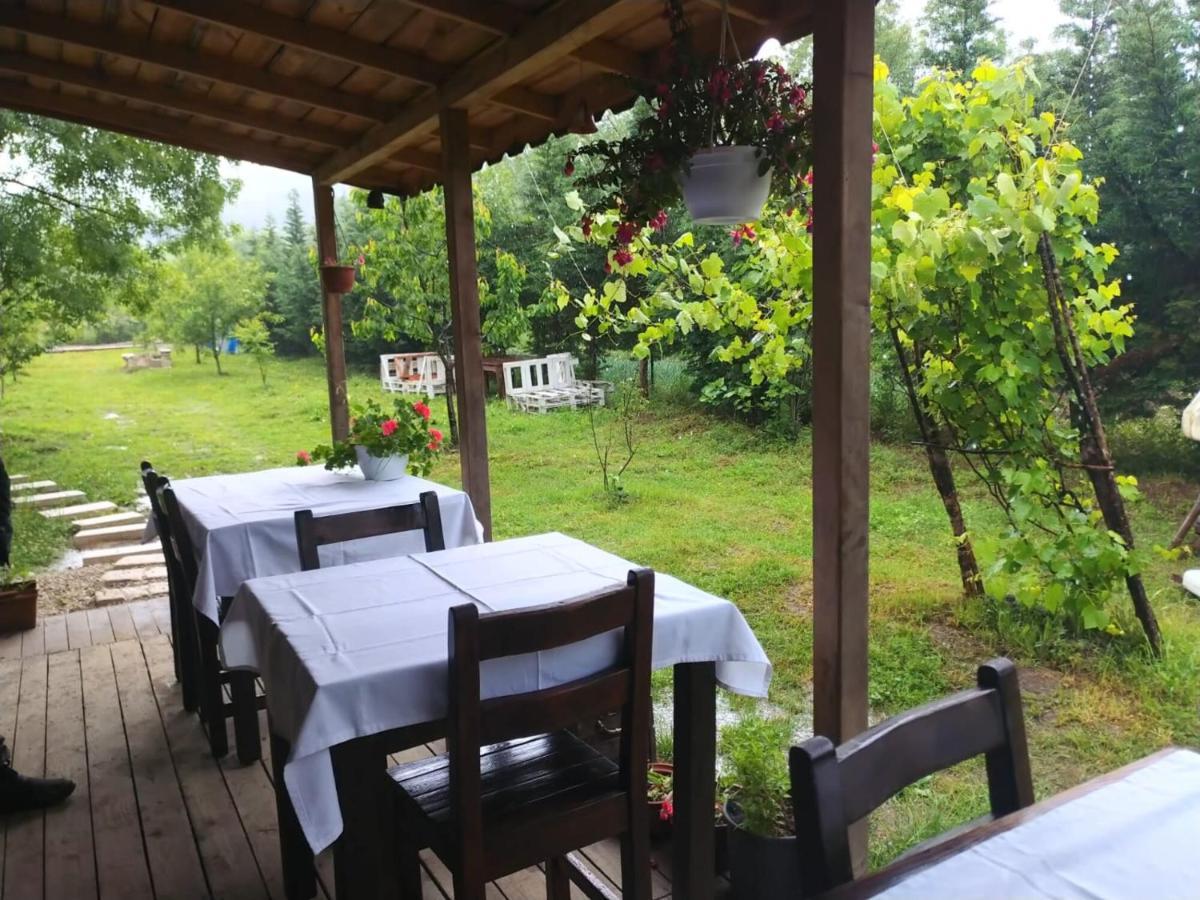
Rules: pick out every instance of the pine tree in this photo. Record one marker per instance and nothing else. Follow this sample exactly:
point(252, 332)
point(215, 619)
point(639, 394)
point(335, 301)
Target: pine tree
point(296, 290)
point(958, 32)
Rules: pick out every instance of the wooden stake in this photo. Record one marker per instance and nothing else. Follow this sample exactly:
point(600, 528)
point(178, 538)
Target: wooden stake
point(331, 316)
point(464, 294)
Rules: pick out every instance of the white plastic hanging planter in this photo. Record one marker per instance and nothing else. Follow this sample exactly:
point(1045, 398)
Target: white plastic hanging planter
point(724, 187)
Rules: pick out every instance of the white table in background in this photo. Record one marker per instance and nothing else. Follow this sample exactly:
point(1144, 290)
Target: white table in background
point(242, 525)
point(352, 653)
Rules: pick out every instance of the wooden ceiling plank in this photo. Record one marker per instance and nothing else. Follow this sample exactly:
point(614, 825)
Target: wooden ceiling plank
point(304, 35)
point(149, 126)
point(190, 62)
point(544, 38)
point(171, 98)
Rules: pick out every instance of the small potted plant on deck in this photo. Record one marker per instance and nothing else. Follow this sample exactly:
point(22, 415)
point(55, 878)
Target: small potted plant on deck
point(385, 445)
point(18, 596)
point(763, 859)
point(720, 133)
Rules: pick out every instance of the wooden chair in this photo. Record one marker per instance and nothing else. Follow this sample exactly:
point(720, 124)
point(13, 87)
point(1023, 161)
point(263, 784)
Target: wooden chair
point(211, 676)
point(515, 788)
point(313, 533)
point(832, 788)
point(183, 641)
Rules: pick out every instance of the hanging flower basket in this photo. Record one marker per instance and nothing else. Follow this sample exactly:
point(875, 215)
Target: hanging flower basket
point(337, 279)
point(724, 185)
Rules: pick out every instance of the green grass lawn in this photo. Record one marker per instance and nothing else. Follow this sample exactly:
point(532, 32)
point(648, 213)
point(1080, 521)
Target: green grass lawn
point(712, 502)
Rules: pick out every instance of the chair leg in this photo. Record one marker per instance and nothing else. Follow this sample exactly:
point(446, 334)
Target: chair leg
point(183, 638)
point(299, 873)
point(635, 862)
point(212, 704)
point(245, 717)
point(558, 879)
point(408, 861)
point(467, 889)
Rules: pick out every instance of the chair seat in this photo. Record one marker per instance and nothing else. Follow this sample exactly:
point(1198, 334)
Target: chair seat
point(526, 784)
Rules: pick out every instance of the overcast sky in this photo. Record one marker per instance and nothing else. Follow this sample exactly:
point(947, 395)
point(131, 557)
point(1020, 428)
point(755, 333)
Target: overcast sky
point(264, 190)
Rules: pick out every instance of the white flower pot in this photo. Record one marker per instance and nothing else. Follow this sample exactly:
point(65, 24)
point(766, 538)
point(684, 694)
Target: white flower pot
point(381, 468)
point(724, 187)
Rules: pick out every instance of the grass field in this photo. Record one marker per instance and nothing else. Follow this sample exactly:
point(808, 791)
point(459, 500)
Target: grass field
point(712, 502)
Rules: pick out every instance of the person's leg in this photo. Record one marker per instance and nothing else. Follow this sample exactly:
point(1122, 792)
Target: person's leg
point(20, 792)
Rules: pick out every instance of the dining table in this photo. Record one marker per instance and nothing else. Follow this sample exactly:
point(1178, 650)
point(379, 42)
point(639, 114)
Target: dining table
point(242, 525)
point(1133, 832)
point(354, 660)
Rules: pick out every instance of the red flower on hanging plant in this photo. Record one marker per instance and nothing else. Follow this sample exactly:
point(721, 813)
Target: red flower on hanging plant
point(422, 409)
point(622, 257)
point(586, 225)
point(659, 222)
point(626, 232)
point(743, 233)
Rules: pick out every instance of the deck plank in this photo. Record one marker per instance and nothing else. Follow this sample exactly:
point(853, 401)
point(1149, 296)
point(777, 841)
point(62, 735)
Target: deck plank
point(10, 645)
point(143, 620)
point(69, 844)
point(99, 625)
point(161, 608)
point(225, 847)
point(121, 864)
point(56, 634)
point(79, 633)
point(23, 869)
point(33, 641)
point(121, 622)
point(166, 828)
point(10, 691)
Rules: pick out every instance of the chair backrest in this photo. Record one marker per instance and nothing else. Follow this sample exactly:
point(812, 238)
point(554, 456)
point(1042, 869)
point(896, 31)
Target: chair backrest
point(562, 370)
point(472, 723)
point(150, 481)
point(182, 558)
point(314, 532)
point(527, 375)
point(834, 787)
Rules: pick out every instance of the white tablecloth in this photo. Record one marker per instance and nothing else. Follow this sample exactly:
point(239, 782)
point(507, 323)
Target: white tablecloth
point(356, 650)
point(1137, 837)
point(243, 525)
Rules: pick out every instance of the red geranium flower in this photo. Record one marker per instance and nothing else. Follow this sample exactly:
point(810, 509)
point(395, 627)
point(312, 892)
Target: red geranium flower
point(422, 409)
point(775, 122)
point(389, 427)
point(436, 443)
point(303, 458)
point(667, 812)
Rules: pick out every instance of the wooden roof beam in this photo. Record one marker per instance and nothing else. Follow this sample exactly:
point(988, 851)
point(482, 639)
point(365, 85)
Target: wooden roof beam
point(505, 20)
point(549, 36)
point(95, 79)
point(149, 126)
point(337, 45)
point(190, 62)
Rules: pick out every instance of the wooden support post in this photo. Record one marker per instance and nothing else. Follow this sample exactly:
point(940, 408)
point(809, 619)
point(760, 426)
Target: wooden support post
point(464, 295)
point(331, 316)
point(843, 59)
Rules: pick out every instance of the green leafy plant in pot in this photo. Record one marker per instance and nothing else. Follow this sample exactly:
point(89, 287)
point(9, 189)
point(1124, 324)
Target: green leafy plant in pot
point(763, 859)
point(385, 445)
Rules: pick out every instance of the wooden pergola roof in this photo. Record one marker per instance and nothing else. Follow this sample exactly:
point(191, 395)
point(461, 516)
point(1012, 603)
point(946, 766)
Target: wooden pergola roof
point(348, 90)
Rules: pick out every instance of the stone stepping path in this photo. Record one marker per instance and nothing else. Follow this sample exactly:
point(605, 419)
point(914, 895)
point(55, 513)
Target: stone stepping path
point(80, 509)
point(104, 555)
point(105, 535)
point(32, 486)
point(54, 498)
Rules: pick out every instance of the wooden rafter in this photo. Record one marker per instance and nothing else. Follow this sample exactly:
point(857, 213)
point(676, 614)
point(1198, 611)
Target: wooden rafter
point(345, 48)
point(505, 20)
point(191, 62)
point(95, 79)
point(551, 35)
point(150, 126)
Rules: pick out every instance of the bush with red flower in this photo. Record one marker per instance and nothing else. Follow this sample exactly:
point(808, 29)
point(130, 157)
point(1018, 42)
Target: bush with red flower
point(700, 104)
point(404, 430)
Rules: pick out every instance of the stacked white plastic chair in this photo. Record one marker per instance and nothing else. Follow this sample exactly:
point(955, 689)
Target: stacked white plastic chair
point(540, 385)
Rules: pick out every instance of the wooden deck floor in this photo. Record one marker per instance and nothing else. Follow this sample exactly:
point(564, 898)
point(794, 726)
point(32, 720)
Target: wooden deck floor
point(92, 696)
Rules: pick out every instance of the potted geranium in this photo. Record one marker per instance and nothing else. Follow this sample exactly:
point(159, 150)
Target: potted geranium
point(385, 445)
point(722, 134)
point(763, 860)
